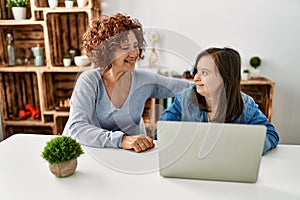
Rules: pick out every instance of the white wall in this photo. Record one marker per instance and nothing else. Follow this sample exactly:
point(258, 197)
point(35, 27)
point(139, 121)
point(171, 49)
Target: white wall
point(268, 28)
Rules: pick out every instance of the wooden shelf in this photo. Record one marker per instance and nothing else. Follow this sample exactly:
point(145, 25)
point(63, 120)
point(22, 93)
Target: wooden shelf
point(68, 69)
point(56, 30)
point(11, 22)
point(57, 113)
point(255, 81)
point(23, 68)
point(27, 123)
point(43, 69)
point(63, 9)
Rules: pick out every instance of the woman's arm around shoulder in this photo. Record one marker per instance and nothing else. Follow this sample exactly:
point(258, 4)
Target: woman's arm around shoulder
point(162, 86)
point(173, 112)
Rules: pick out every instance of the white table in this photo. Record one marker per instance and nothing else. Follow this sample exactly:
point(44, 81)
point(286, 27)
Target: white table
point(24, 175)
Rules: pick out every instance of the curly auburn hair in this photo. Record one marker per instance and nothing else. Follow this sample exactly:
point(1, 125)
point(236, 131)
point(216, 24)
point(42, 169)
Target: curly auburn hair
point(105, 35)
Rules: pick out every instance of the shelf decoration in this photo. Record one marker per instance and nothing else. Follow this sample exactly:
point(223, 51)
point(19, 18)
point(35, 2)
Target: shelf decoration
point(81, 3)
point(18, 8)
point(53, 3)
point(67, 60)
point(153, 57)
point(255, 62)
point(69, 3)
point(245, 74)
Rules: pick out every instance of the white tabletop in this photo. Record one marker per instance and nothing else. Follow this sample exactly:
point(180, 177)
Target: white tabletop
point(24, 175)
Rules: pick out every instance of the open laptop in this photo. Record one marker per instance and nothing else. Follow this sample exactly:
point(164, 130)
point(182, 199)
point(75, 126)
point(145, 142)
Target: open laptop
point(210, 151)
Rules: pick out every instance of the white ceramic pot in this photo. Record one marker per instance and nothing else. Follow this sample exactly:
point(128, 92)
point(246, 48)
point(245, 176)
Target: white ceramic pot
point(53, 3)
point(69, 4)
point(245, 76)
point(81, 3)
point(67, 62)
point(255, 73)
point(19, 13)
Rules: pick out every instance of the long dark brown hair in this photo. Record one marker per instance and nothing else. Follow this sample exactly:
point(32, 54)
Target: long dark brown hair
point(228, 62)
point(105, 35)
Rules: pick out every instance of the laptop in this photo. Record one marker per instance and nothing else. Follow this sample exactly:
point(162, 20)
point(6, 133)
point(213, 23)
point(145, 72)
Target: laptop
point(210, 151)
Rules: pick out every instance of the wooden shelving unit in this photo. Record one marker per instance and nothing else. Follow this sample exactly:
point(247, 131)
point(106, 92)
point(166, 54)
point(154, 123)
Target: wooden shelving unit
point(57, 30)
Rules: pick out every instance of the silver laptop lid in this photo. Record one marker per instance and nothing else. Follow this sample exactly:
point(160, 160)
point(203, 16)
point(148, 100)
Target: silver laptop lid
point(211, 151)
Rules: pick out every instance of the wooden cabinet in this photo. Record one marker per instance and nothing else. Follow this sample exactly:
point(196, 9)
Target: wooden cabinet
point(262, 91)
point(46, 87)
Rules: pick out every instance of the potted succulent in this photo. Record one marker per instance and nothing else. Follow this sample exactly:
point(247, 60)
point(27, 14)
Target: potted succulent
point(67, 60)
point(18, 8)
point(246, 74)
point(61, 152)
point(69, 3)
point(53, 3)
point(255, 62)
point(81, 3)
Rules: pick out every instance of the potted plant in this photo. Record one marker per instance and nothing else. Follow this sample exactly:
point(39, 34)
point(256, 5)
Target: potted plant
point(255, 62)
point(69, 3)
point(81, 3)
point(18, 8)
point(53, 3)
point(246, 74)
point(67, 60)
point(61, 153)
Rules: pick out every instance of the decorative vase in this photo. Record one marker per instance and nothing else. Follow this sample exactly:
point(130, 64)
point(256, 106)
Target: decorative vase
point(69, 4)
point(53, 3)
point(81, 3)
point(64, 169)
point(19, 13)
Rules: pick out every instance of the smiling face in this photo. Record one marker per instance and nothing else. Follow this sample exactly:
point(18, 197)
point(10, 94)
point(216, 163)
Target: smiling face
point(126, 56)
point(208, 79)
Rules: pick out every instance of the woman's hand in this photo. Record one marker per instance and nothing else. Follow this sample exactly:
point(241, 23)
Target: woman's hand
point(138, 143)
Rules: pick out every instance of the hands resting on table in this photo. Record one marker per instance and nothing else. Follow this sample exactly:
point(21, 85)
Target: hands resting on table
point(138, 143)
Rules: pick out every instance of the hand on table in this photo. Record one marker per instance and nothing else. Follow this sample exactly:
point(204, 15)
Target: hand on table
point(138, 143)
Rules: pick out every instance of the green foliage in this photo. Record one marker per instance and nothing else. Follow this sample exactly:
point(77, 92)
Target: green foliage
point(60, 149)
point(67, 57)
point(255, 62)
point(246, 71)
point(17, 3)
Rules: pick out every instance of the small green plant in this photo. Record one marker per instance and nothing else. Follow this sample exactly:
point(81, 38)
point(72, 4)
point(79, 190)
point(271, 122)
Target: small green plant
point(61, 149)
point(255, 62)
point(17, 3)
point(67, 57)
point(246, 71)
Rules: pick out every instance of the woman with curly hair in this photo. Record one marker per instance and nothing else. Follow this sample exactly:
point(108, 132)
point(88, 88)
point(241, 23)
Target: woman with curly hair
point(108, 102)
